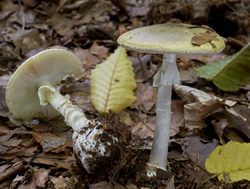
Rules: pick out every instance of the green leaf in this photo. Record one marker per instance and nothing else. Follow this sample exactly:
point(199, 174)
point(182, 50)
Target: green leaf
point(112, 83)
point(230, 73)
point(231, 162)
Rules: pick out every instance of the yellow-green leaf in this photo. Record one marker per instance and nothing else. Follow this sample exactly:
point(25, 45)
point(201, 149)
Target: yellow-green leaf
point(231, 162)
point(112, 83)
point(231, 73)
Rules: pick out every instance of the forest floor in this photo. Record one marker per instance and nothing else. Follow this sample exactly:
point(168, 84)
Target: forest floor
point(39, 154)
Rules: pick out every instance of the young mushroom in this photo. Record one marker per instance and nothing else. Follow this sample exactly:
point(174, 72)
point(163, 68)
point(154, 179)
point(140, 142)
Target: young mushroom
point(168, 39)
point(32, 93)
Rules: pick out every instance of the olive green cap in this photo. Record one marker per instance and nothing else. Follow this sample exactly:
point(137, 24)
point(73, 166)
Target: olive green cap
point(172, 38)
point(49, 66)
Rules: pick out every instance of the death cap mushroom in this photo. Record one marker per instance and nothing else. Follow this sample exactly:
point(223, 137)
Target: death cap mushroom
point(49, 66)
point(172, 38)
point(168, 39)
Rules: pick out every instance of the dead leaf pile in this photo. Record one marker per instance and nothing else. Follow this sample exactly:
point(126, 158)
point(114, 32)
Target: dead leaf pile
point(40, 155)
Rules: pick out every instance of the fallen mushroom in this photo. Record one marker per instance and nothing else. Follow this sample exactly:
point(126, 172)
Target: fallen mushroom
point(32, 93)
point(168, 39)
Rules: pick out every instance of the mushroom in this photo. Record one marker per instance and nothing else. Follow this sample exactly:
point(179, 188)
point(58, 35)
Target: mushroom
point(32, 93)
point(168, 39)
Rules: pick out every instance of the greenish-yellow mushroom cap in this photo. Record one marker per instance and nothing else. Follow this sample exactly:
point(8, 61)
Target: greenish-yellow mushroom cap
point(49, 66)
point(172, 38)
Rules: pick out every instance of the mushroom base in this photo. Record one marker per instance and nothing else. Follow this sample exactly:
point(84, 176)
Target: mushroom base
point(154, 177)
point(99, 146)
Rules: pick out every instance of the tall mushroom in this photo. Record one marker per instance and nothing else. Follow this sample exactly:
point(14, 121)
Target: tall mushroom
point(168, 39)
point(32, 93)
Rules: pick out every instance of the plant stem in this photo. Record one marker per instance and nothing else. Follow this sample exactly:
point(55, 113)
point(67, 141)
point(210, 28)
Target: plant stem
point(168, 76)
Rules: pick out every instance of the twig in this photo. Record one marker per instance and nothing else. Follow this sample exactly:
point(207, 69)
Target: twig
point(206, 180)
point(22, 15)
point(235, 42)
point(78, 4)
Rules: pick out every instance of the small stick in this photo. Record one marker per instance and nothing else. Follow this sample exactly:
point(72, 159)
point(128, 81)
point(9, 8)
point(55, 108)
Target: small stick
point(22, 15)
point(235, 42)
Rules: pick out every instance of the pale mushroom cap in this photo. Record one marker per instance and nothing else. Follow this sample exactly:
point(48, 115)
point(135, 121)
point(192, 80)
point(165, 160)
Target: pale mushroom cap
point(51, 66)
point(171, 38)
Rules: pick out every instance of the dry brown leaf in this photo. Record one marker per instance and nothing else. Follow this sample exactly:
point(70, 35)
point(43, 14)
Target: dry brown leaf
point(14, 152)
point(99, 51)
point(248, 96)
point(42, 127)
point(198, 105)
point(3, 149)
point(13, 169)
point(203, 38)
point(142, 130)
point(88, 60)
point(197, 150)
point(7, 8)
point(30, 3)
point(5, 133)
point(12, 142)
point(64, 182)
point(219, 124)
point(232, 135)
point(49, 140)
point(143, 67)
point(3, 107)
point(8, 143)
point(138, 9)
point(28, 152)
point(17, 16)
point(131, 186)
point(4, 80)
point(146, 97)
point(126, 119)
point(109, 185)
point(121, 29)
point(52, 162)
point(27, 40)
point(96, 11)
point(62, 25)
point(239, 118)
point(177, 117)
point(3, 168)
point(39, 178)
point(101, 185)
point(57, 160)
point(188, 76)
point(8, 154)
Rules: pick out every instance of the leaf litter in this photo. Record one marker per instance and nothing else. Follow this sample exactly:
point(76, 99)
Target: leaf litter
point(40, 154)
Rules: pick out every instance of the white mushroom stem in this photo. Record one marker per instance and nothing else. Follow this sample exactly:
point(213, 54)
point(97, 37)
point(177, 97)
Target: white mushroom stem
point(164, 79)
point(88, 144)
point(73, 115)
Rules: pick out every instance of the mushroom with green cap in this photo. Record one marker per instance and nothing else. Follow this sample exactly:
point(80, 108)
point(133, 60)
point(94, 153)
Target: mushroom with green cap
point(32, 93)
point(168, 39)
